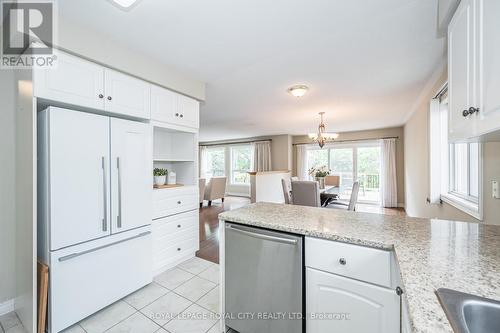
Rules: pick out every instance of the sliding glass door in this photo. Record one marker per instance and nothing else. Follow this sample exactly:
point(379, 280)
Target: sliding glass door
point(352, 162)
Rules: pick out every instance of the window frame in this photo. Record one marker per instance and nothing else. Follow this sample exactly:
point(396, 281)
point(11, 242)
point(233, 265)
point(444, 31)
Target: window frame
point(209, 171)
point(232, 171)
point(443, 163)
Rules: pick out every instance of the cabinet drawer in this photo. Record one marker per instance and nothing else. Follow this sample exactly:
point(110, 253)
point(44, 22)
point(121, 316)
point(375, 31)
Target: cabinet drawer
point(167, 202)
point(88, 277)
point(173, 228)
point(171, 254)
point(353, 261)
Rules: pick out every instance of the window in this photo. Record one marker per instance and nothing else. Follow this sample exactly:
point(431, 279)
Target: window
point(455, 168)
point(216, 161)
point(241, 164)
point(352, 162)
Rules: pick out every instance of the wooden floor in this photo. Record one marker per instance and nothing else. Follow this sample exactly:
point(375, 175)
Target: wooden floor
point(209, 223)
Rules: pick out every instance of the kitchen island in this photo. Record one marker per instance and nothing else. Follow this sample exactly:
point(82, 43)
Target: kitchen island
point(430, 254)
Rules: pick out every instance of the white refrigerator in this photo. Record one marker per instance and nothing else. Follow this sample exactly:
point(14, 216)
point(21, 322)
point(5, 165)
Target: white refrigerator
point(94, 210)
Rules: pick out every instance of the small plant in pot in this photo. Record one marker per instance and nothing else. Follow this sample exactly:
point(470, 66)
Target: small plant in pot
point(319, 174)
point(160, 176)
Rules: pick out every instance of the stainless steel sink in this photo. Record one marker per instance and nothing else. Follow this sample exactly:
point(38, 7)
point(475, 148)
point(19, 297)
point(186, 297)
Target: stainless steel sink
point(468, 313)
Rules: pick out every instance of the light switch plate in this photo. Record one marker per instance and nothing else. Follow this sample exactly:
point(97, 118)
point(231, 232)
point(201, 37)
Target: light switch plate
point(494, 189)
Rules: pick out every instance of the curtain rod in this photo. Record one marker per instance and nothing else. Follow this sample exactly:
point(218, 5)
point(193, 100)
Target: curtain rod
point(353, 140)
point(233, 143)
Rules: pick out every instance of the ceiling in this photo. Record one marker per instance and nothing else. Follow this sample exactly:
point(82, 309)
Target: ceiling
point(365, 61)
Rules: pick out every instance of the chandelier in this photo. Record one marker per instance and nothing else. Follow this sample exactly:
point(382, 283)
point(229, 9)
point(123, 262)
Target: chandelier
point(322, 136)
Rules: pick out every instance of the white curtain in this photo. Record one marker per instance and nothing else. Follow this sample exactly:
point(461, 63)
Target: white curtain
point(301, 153)
point(203, 162)
point(262, 156)
point(388, 186)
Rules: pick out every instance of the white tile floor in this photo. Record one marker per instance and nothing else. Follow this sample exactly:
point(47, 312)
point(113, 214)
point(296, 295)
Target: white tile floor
point(184, 299)
point(10, 323)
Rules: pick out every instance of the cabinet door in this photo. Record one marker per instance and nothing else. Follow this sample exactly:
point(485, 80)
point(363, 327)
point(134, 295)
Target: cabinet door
point(489, 55)
point(356, 307)
point(163, 105)
point(73, 81)
point(188, 111)
point(461, 71)
point(127, 95)
point(131, 168)
point(78, 177)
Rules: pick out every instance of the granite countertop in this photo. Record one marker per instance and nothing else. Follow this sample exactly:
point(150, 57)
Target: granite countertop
point(431, 253)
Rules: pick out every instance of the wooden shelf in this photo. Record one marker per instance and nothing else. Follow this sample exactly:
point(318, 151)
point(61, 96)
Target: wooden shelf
point(167, 186)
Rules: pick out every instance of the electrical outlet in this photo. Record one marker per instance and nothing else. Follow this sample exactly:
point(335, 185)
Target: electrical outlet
point(494, 189)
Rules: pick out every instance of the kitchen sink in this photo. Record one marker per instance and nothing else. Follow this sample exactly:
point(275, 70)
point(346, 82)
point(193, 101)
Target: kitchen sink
point(469, 313)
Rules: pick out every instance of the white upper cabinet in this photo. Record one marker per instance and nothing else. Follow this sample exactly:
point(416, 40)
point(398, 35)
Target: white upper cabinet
point(74, 81)
point(76, 161)
point(474, 69)
point(488, 13)
point(174, 108)
point(461, 72)
point(131, 164)
point(127, 95)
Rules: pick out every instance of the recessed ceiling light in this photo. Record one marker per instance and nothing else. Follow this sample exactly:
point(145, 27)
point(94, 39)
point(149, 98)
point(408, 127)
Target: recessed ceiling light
point(124, 4)
point(298, 90)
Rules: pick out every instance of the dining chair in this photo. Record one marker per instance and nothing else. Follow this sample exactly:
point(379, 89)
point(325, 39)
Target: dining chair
point(332, 180)
point(286, 184)
point(353, 200)
point(306, 193)
point(202, 182)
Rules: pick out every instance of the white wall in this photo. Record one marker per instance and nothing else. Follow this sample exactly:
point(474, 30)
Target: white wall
point(7, 186)
point(93, 45)
point(416, 146)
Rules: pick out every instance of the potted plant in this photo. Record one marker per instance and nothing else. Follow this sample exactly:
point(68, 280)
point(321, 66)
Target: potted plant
point(160, 176)
point(319, 174)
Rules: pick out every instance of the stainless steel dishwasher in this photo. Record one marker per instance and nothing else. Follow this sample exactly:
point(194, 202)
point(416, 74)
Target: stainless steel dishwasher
point(263, 280)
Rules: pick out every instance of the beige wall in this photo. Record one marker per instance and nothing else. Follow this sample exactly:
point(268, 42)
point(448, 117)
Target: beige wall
point(416, 144)
point(365, 135)
point(93, 45)
point(7, 186)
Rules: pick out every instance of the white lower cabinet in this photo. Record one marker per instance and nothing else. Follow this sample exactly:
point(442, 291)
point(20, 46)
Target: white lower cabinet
point(88, 277)
point(338, 304)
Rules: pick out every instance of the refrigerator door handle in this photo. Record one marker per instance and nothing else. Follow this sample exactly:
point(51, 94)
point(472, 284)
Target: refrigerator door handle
point(74, 255)
point(119, 217)
point(263, 236)
point(105, 194)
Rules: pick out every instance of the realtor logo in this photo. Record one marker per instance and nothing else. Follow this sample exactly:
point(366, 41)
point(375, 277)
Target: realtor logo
point(28, 30)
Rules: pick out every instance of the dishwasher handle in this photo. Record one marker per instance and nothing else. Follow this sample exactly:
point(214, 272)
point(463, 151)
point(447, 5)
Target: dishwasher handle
point(262, 236)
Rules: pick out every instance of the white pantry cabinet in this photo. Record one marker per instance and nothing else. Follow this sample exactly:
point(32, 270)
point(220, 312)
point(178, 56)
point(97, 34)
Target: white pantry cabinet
point(127, 95)
point(474, 69)
point(170, 107)
point(73, 81)
point(73, 154)
point(131, 166)
point(357, 307)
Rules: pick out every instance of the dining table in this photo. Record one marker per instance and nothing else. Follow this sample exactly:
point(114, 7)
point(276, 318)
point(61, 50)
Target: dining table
point(328, 194)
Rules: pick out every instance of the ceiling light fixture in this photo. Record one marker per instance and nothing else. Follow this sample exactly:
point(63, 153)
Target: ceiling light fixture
point(124, 4)
point(298, 90)
point(322, 136)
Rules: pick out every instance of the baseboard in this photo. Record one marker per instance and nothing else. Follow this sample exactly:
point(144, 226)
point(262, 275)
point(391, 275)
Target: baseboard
point(401, 205)
point(6, 307)
point(173, 263)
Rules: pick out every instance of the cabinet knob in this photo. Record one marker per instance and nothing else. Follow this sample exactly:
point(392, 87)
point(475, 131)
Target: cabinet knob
point(178, 226)
point(473, 110)
point(182, 116)
point(101, 96)
point(109, 98)
point(178, 249)
point(342, 261)
point(465, 113)
point(179, 202)
point(177, 115)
